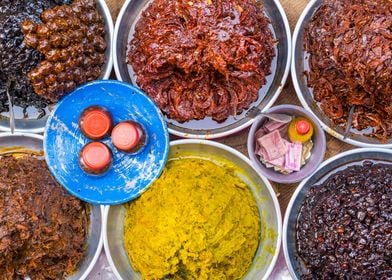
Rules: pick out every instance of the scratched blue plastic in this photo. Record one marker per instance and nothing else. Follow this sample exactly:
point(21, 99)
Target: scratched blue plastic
point(130, 175)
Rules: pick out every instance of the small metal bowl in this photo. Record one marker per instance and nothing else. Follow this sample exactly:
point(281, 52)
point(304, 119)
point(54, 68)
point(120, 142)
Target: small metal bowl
point(298, 66)
point(314, 161)
point(336, 163)
point(94, 243)
point(38, 125)
point(207, 128)
point(267, 202)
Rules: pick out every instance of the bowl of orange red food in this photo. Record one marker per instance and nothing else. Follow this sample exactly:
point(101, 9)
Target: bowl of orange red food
point(336, 71)
point(286, 144)
point(53, 235)
point(49, 48)
point(208, 65)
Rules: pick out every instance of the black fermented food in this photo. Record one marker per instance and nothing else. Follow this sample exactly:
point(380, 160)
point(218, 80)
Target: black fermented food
point(17, 59)
point(344, 229)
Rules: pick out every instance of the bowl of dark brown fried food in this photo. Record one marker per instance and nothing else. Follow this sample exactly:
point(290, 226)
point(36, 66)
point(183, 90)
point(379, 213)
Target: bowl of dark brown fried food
point(338, 222)
point(209, 65)
point(45, 233)
point(48, 48)
point(342, 68)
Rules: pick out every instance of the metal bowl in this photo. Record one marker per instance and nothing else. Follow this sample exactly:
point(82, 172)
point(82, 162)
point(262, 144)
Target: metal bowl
point(94, 242)
point(305, 95)
point(38, 125)
point(313, 162)
point(207, 128)
point(332, 165)
point(267, 202)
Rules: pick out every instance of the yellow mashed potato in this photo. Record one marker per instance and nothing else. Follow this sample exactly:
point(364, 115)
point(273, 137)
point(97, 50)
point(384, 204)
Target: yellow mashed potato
point(197, 221)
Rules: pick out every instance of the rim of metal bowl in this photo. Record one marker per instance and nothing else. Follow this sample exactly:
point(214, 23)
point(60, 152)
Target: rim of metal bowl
point(208, 135)
point(249, 163)
point(100, 244)
point(299, 92)
point(106, 71)
point(299, 189)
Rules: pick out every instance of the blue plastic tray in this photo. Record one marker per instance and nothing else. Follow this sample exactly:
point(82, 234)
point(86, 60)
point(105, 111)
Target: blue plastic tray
point(130, 175)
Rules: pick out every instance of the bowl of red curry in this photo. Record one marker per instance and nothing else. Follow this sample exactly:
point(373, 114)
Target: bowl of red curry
point(209, 65)
point(342, 68)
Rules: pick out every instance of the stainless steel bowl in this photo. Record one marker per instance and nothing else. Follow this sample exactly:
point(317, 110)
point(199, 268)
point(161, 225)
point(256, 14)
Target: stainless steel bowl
point(298, 66)
point(94, 242)
point(336, 163)
point(267, 202)
point(38, 125)
point(207, 128)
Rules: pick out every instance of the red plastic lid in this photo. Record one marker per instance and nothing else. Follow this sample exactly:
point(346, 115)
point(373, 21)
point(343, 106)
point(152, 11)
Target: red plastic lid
point(96, 156)
point(302, 126)
point(125, 136)
point(96, 124)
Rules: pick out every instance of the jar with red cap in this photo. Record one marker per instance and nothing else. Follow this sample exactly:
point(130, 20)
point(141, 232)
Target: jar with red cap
point(95, 122)
point(129, 137)
point(95, 158)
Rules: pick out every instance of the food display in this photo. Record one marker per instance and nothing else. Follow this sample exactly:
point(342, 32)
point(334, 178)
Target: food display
point(284, 145)
point(199, 220)
point(43, 229)
point(48, 48)
point(349, 44)
point(194, 215)
point(344, 225)
point(202, 58)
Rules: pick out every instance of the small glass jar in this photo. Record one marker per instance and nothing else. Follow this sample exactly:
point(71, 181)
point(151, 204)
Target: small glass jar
point(95, 158)
point(95, 122)
point(129, 137)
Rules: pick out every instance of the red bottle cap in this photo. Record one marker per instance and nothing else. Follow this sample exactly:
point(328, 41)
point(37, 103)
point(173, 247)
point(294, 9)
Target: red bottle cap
point(96, 156)
point(96, 123)
point(125, 136)
point(302, 127)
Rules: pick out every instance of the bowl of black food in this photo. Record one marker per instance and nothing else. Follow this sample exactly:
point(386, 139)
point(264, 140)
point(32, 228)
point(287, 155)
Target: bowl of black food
point(338, 223)
point(47, 49)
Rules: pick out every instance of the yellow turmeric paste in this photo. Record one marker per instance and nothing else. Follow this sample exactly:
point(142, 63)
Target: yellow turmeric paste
point(197, 221)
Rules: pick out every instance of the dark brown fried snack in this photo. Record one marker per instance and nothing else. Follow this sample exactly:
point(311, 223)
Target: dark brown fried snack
point(62, 39)
point(202, 58)
point(350, 47)
point(16, 58)
point(43, 229)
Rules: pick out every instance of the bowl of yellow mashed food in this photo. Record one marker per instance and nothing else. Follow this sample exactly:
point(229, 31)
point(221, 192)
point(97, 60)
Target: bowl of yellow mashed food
point(210, 215)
